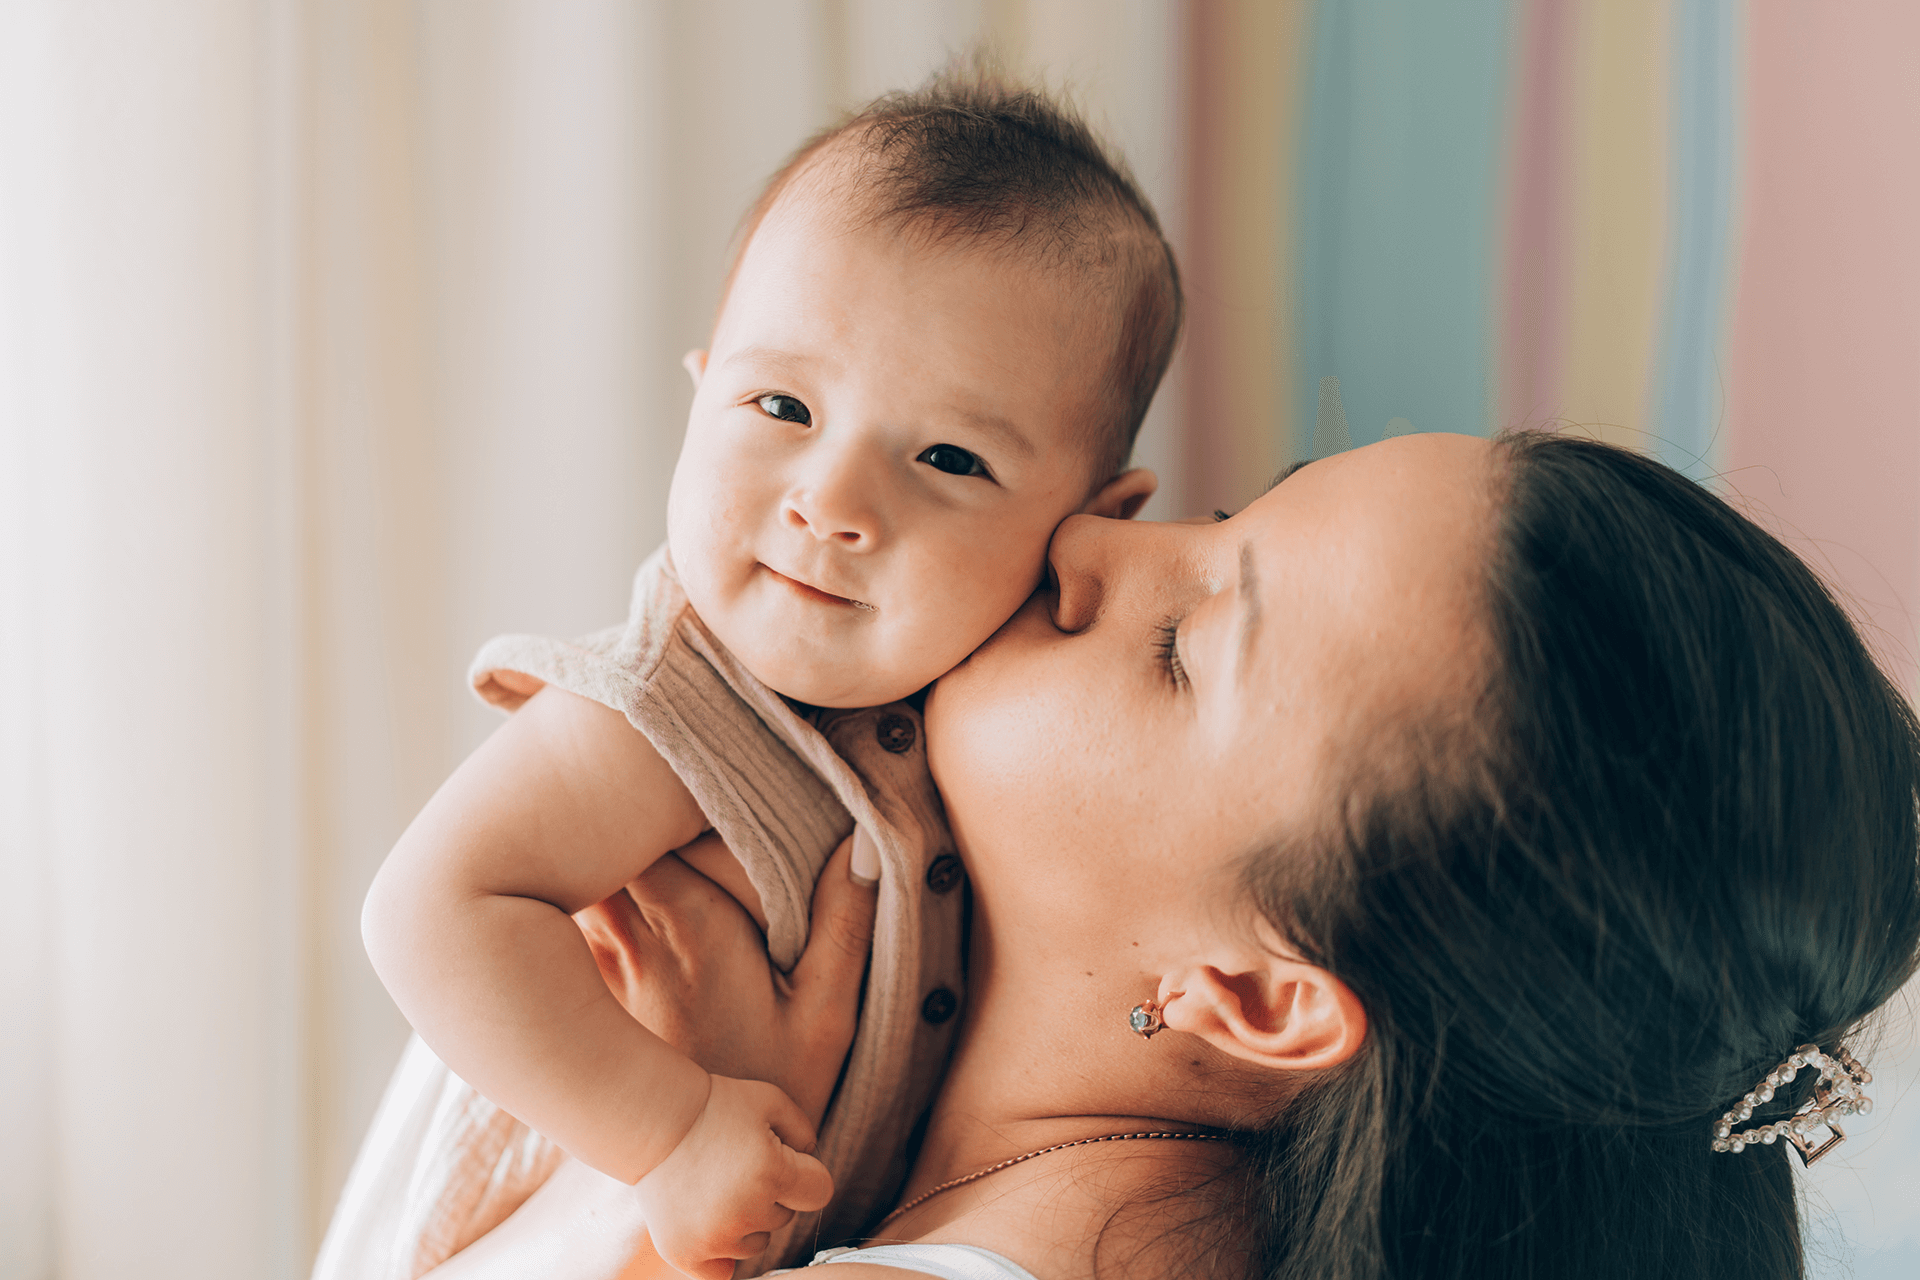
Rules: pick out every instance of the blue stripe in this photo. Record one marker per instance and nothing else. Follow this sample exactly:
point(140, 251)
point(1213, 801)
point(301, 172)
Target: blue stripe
point(1399, 214)
point(1689, 379)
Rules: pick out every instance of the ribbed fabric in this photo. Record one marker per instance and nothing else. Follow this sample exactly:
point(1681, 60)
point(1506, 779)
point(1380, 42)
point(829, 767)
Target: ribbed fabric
point(441, 1165)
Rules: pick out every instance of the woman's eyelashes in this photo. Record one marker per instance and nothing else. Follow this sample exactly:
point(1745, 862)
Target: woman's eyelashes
point(953, 460)
point(1167, 646)
point(785, 408)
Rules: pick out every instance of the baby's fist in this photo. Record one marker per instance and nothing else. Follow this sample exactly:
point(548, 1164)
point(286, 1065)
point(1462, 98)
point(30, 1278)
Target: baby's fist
point(739, 1175)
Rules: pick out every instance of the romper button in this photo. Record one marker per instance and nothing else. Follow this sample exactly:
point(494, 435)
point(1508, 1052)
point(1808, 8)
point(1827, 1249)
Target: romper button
point(944, 873)
point(938, 1006)
point(895, 733)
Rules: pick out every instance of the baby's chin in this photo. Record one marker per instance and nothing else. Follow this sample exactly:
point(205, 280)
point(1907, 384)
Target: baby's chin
point(840, 686)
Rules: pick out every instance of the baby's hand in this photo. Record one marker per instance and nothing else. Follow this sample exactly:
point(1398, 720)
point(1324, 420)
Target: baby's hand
point(738, 1176)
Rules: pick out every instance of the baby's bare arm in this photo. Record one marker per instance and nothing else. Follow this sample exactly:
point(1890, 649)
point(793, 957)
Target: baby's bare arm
point(697, 947)
point(468, 925)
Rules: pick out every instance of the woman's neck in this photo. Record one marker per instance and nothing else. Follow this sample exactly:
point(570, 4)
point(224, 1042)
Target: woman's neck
point(1149, 1204)
point(1045, 1057)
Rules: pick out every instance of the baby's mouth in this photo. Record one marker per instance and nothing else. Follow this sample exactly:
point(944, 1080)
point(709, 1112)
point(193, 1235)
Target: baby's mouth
point(814, 593)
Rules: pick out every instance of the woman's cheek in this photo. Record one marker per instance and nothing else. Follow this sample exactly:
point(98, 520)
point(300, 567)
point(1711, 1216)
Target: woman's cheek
point(989, 763)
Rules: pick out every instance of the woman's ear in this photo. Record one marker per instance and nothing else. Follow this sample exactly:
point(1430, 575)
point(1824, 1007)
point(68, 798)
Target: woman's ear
point(695, 363)
point(1122, 497)
point(1280, 1013)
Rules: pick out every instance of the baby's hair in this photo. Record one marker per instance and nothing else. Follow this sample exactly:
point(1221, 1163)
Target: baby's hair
point(972, 157)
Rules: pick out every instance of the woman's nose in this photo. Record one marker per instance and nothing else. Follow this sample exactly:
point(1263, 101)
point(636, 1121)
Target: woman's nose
point(1083, 559)
point(835, 499)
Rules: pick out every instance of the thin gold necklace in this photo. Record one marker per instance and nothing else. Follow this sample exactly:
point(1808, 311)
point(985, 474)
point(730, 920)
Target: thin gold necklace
point(1060, 1146)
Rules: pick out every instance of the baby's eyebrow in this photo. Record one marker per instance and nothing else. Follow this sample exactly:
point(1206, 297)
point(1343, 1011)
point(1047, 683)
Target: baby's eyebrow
point(1000, 429)
point(776, 360)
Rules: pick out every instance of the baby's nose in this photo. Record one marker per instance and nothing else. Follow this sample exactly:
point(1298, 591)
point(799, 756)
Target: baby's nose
point(835, 504)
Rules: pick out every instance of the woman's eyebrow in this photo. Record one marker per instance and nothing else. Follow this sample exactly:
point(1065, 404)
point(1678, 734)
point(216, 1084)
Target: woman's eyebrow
point(1248, 591)
point(1291, 468)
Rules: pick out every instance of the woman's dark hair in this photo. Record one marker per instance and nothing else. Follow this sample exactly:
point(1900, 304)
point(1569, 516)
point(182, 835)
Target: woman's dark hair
point(1674, 837)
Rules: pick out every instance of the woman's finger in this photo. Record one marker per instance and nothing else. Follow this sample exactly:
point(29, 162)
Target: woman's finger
point(626, 926)
point(841, 935)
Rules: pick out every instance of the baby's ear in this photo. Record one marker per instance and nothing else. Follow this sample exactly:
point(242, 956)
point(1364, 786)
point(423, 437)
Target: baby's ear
point(695, 363)
point(1122, 497)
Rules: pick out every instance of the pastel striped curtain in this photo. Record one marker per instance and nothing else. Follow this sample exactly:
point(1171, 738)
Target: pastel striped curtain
point(1490, 214)
point(1680, 225)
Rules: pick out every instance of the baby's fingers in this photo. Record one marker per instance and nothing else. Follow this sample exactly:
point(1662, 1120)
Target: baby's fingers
point(784, 1116)
point(808, 1184)
point(804, 1182)
point(711, 1269)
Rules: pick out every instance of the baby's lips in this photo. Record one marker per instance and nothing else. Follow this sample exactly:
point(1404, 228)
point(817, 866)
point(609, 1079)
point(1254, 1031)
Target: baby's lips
point(810, 586)
point(865, 865)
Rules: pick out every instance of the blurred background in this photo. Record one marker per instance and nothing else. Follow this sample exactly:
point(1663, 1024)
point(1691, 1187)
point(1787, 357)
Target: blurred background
point(339, 335)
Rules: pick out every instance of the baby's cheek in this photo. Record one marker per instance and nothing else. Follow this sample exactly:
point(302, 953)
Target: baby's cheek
point(950, 629)
point(989, 591)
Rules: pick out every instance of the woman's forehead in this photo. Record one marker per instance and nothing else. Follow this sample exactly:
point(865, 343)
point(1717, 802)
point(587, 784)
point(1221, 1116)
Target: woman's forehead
point(1416, 507)
point(1373, 562)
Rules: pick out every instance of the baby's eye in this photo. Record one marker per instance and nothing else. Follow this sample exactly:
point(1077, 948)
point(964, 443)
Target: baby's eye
point(785, 408)
point(952, 459)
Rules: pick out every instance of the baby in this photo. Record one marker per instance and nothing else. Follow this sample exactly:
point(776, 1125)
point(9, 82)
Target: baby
point(938, 341)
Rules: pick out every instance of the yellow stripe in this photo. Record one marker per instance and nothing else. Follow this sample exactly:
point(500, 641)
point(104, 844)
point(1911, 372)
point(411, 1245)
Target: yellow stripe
point(1238, 359)
point(1257, 232)
point(1618, 232)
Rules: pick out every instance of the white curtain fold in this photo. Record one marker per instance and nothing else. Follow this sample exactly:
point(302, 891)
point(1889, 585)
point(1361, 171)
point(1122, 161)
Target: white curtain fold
point(335, 336)
point(150, 821)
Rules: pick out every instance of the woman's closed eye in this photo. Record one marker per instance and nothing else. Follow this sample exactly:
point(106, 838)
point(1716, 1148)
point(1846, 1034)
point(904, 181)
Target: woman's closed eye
point(953, 460)
point(785, 408)
point(1167, 646)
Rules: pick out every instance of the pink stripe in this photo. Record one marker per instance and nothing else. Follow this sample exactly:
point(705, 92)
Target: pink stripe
point(1208, 422)
point(1824, 403)
point(1533, 321)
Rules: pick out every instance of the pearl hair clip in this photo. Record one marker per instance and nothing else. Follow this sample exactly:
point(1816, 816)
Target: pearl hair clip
point(1837, 1094)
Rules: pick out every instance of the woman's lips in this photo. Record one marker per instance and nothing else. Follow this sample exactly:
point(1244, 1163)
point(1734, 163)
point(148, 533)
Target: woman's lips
point(815, 594)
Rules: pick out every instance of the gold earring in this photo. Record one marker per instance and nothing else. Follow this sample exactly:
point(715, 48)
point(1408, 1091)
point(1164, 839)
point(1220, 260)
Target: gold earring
point(1145, 1020)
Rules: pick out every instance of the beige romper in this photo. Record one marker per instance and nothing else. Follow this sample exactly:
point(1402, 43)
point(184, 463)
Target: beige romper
point(441, 1166)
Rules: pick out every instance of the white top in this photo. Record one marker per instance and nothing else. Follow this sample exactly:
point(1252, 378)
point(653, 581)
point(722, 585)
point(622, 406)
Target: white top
point(948, 1261)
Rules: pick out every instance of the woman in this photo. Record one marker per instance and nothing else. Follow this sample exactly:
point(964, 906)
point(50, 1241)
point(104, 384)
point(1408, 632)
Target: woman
point(1481, 822)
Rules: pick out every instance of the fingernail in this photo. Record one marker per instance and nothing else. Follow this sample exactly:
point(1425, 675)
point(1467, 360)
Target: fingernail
point(865, 866)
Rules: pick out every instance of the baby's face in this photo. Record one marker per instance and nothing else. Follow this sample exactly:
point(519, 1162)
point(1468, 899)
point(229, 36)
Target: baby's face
point(881, 443)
